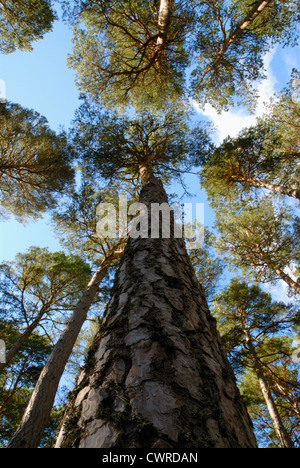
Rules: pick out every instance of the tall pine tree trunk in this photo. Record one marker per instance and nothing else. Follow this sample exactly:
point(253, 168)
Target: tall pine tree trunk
point(36, 416)
point(280, 430)
point(157, 376)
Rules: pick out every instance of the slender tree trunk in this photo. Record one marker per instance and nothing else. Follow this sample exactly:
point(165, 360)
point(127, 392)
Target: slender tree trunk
point(280, 430)
point(39, 408)
point(22, 339)
point(257, 9)
point(293, 284)
point(157, 376)
point(164, 18)
point(294, 193)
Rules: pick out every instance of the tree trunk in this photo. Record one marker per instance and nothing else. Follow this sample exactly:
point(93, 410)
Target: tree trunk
point(39, 408)
point(280, 430)
point(22, 339)
point(157, 376)
point(294, 193)
point(164, 17)
point(256, 10)
point(293, 284)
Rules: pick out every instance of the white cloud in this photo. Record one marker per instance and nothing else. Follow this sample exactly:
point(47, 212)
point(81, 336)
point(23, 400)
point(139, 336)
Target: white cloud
point(278, 291)
point(232, 122)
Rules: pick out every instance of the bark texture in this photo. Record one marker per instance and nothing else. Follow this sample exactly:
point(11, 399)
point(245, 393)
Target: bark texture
point(157, 376)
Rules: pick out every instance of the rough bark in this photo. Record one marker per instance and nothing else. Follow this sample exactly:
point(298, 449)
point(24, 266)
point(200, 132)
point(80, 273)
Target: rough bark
point(280, 430)
point(157, 376)
point(40, 405)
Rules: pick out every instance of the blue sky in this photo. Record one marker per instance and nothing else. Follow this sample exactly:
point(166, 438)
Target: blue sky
point(41, 80)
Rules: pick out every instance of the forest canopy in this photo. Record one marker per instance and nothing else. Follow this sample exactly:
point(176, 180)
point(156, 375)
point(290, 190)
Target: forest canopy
point(162, 346)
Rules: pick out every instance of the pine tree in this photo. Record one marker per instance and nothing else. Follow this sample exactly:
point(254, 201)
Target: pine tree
point(141, 51)
point(136, 53)
point(265, 156)
point(37, 286)
point(24, 22)
point(78, 220)
point(156, 345)
point(252, 327)
point(155, 288)
point(19, 378)
point(35, 163)
point(261, 240)
point(209, 267)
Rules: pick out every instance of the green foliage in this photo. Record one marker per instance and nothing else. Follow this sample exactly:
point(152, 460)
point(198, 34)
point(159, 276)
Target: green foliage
point(265, 154)
point(230, 58)
point(208, 266)
point(18, 380)
point(23, 22)
point(255, 159)
point(206, 52)
point(278, 21)
point(116, 54)
point(286, 404)
point(284, 113)
point(259, 233)
point(245, 312)
point(38, 286)
point(260, 239)
point(41, 281)
point(242, 307)
point(76, 220)
point(34, 162)
point(123, 56)
point(20, 377)
point(115, 147)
